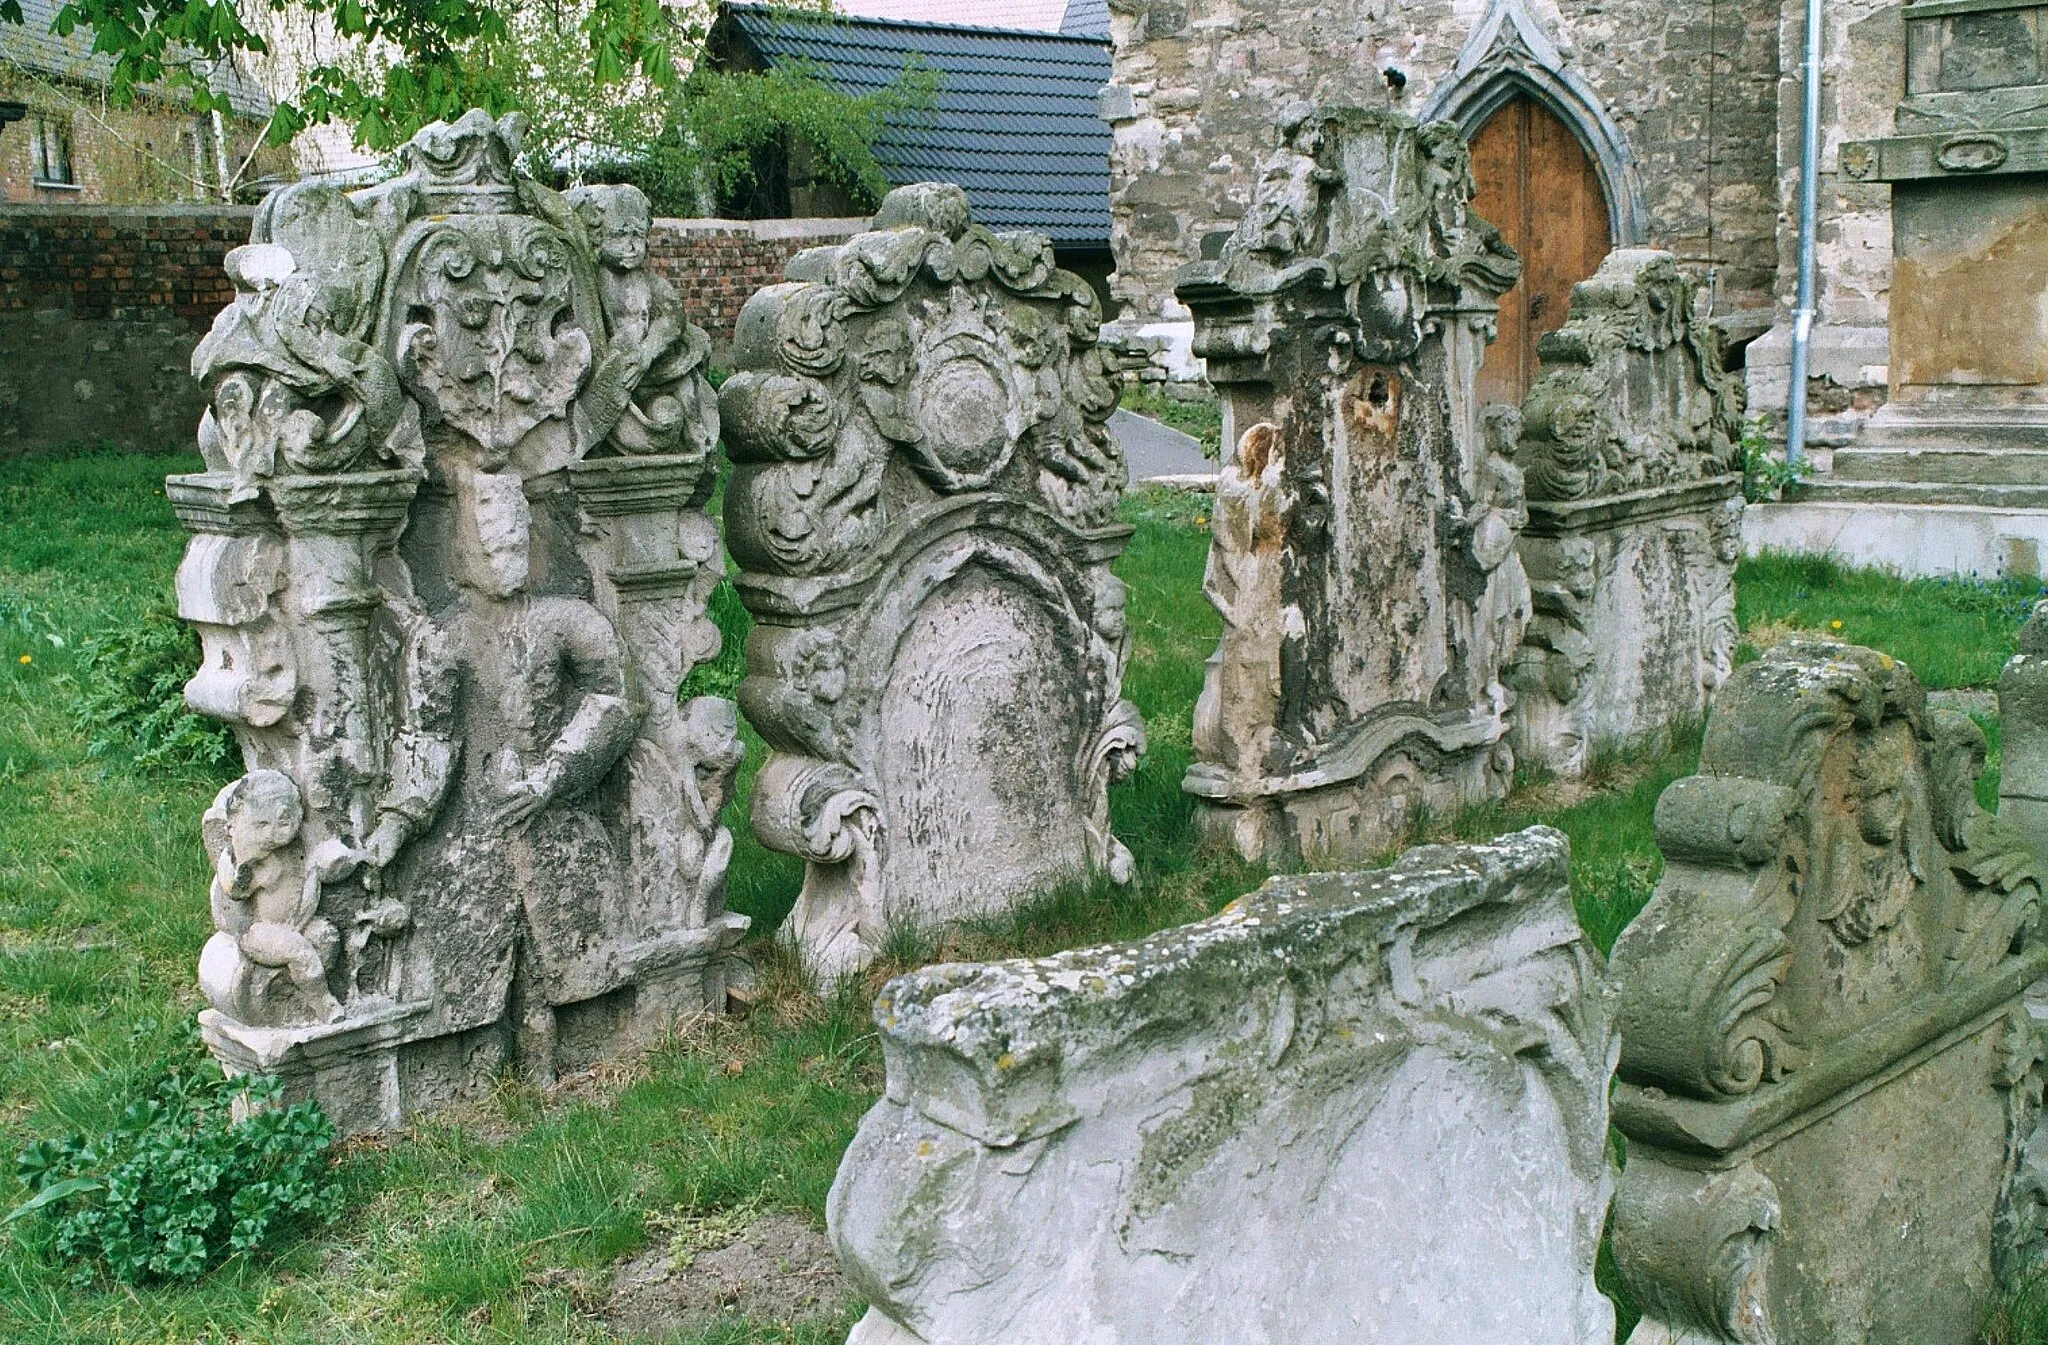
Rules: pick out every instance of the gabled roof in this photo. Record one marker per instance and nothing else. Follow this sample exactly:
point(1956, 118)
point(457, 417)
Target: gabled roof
point(1016, 124)
point(31, 45)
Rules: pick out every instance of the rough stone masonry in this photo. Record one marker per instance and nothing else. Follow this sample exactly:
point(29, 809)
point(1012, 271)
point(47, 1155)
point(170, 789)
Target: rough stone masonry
point(1363, 542)
point(449, 567)
point(1351, 1107)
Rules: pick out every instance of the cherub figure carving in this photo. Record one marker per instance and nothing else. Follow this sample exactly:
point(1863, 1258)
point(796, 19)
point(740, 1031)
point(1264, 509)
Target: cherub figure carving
point(1286, 209)
point(265, 898)
point(713, 749)
point(648, 393)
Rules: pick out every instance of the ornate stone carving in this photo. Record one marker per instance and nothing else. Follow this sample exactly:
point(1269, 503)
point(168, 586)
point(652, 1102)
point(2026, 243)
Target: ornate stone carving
point(449, 569)
point(1829, 1083)
point(924, 510)
point(1353, 1106)
point(1363, 553)
point(1630, 446)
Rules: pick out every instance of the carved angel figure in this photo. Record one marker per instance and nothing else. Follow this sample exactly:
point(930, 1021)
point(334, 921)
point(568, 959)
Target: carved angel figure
point(1245, 685)
point(648, 393)
point(265, 899)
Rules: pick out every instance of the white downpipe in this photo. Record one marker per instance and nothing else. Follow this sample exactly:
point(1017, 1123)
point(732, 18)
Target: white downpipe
point(1809, 193)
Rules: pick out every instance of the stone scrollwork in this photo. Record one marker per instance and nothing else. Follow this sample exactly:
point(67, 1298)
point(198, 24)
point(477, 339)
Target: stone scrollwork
point(449, 568)
point(924, 505)
point(1630, 448)
point(1841, 931)
point(1698, 1252)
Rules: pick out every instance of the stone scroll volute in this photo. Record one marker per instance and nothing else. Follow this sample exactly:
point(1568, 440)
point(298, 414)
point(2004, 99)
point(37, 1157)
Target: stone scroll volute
point(1823, 1036)
point(449, 568)
point(923, 508)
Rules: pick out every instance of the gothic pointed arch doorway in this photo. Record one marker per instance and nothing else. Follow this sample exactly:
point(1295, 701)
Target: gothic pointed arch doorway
point(1540, 188)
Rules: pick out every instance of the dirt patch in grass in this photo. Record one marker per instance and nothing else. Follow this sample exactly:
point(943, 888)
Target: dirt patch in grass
point(778, 1269)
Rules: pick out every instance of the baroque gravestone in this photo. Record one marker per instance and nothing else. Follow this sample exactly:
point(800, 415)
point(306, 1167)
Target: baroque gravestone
point(2023, 729)
point(1630, 453)
point(1830, 1082)
point(449, 568)
point(1352, 1106)
point(1363, 548)
point(923, 509)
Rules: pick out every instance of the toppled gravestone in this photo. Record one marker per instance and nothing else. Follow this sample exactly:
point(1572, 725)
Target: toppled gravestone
point(449, 567)
point(1352, 1106)
point(923, 508)
point(1629, 448)
point(1363, 547)
point(1830, 1081)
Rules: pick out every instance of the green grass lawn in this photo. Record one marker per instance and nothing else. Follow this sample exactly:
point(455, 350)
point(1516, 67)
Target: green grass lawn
point(497, 1222)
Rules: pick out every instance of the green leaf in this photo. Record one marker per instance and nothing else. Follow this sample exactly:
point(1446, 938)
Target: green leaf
point(53, 1193)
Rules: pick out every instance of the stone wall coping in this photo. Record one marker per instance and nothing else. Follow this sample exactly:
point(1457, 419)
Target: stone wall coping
point(77, 209)
point(824, 227)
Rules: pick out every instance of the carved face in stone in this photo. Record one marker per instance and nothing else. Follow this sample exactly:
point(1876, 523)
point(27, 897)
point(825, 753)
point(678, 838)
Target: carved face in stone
point(618, 219)
point(264, 815)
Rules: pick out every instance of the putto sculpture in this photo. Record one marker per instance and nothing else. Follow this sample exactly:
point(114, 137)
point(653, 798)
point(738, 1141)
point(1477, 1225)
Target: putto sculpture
point(1830, 1077)
point(449, 569)
point(923, 508)
point(1630, 447)
point(1363, 549)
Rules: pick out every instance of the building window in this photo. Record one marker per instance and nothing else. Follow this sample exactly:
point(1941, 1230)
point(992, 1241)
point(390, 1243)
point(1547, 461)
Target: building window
point(52, 152)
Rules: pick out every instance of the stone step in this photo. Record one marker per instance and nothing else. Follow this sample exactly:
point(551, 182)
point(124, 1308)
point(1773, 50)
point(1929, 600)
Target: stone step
point(1832, 489)
point(1863, 461)
point(2018, 431)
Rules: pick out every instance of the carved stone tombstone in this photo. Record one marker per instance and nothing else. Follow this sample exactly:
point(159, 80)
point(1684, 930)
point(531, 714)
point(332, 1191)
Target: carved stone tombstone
point(1363, 554)
point(1829, 1079)
point(1629, 448)
point(1352, 1107)
point(2023, 729)
point(923, 507)
point(449, 568)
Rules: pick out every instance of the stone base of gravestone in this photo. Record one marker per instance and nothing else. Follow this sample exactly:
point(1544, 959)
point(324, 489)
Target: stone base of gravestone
point(1634, 627)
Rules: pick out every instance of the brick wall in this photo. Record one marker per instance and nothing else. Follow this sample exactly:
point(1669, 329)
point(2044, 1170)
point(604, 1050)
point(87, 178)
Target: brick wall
point(100, 307)
point(717, 265)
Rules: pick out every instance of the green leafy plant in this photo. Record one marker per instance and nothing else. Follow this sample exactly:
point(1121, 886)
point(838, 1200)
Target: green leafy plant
point(128, 694)
point(731, 136)
point(1765, 471)
point(179, 1183)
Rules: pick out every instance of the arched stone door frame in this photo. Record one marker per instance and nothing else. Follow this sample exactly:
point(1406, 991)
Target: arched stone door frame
point(1509, 53)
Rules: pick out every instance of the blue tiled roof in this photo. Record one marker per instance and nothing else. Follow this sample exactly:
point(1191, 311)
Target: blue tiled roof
point(1016, 124)
point(1086, 18)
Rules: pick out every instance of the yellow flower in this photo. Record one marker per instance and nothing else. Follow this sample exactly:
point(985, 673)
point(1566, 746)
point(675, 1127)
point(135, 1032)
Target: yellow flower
point(26, 659)
point(1834, 625)
point(1201, 520)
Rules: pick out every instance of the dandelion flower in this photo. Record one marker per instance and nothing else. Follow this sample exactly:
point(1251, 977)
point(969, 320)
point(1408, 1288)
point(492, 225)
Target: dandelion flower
point(26, 659)
point(1834, 625)
point(1201, 520)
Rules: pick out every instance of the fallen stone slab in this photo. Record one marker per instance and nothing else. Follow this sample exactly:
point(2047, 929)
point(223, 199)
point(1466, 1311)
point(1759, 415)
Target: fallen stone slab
point(1351, 1107)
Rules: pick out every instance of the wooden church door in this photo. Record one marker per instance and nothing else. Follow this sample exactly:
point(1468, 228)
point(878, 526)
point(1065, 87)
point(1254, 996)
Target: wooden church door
point(1539, 188)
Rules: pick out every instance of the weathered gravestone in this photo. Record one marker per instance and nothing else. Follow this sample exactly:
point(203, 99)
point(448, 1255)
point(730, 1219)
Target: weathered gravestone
point(923, 507)
point(1354, 1106)
point(1363, 555)
point(2023, 729)
point(1630, 452)
point(1829, 1079)
point(450, 566)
